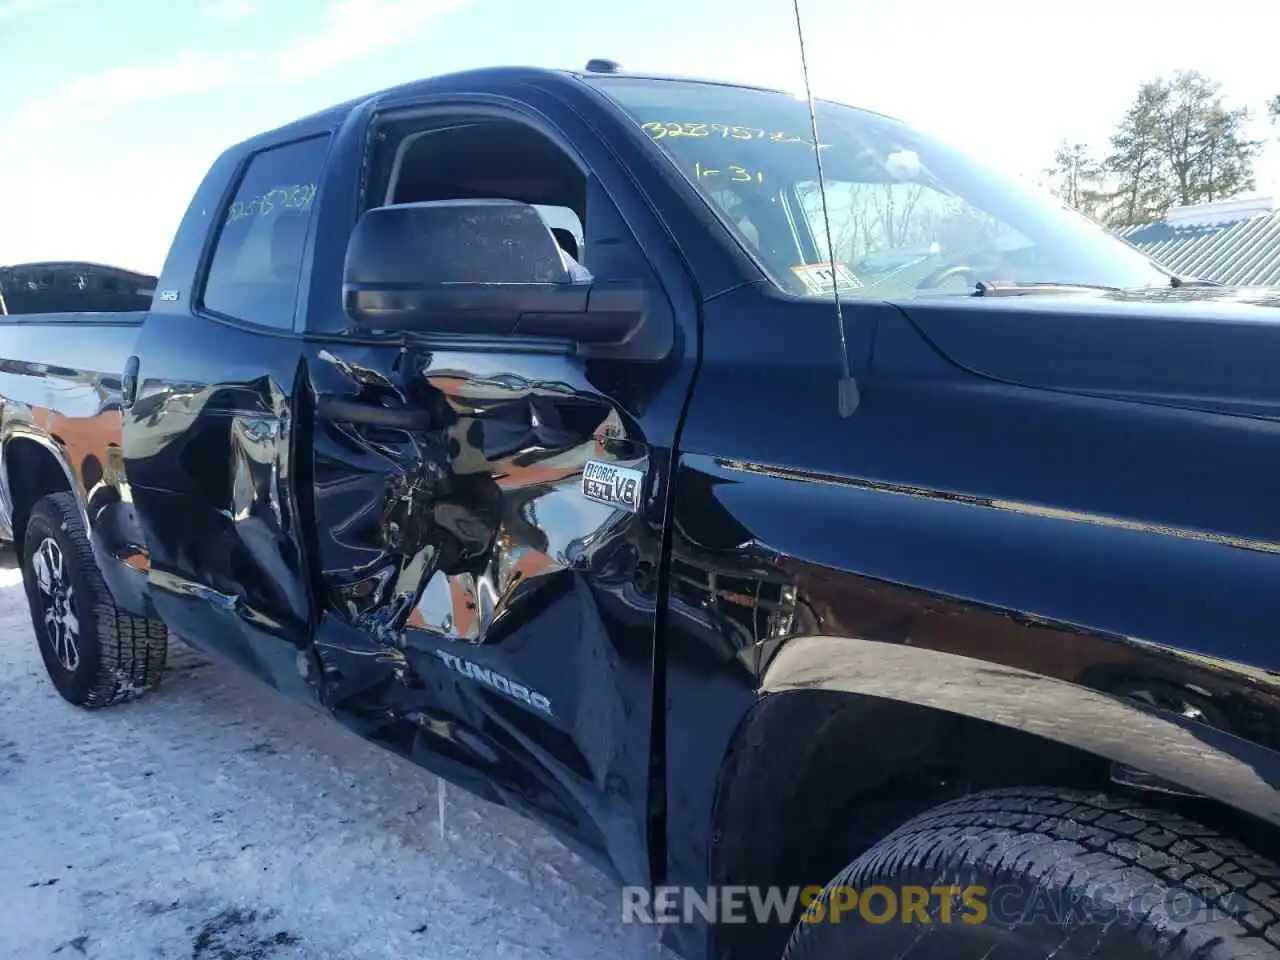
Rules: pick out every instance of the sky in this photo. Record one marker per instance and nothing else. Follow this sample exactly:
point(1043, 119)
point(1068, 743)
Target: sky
point(111, 111)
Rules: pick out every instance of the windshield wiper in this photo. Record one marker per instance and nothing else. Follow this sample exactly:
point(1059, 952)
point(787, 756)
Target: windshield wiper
point(1175, 281)
point(1016, 288)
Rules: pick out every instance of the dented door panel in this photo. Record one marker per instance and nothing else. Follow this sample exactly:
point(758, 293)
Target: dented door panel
point(209, 450)
point(481, 614)
point(477, 612)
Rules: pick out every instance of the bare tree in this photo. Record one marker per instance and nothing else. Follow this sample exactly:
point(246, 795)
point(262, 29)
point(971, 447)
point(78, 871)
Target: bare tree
point(1178, 143)
point(1204, 142)
point(1076, 178)
point(855, 231)
point(849, 219)
point(867, 217)
point(1136, 161)
point(896, 212)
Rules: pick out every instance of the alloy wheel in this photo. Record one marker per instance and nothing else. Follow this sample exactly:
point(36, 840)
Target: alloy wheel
point(57, 601)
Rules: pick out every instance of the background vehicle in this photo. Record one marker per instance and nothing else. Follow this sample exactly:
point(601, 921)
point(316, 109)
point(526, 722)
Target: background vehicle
point(611, 552)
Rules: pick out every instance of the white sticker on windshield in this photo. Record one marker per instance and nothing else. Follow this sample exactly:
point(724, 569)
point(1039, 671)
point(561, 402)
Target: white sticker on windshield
point(903, 165)
point(820, 279)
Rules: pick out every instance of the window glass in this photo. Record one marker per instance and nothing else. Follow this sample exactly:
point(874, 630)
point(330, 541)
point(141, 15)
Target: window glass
point(909, 215)
point(257, 262)
point(459, 161)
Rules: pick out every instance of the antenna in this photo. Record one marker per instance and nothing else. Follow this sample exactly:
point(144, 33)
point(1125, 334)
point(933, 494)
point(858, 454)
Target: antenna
point(847, 396)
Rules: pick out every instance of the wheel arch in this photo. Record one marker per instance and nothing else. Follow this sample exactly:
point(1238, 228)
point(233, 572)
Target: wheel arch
point(850, 738)
point(34, 465)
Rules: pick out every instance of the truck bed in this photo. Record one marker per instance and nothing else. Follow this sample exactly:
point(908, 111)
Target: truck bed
point(72, 287)
point(60, 381)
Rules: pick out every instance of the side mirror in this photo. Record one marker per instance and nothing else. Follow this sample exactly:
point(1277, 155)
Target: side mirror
point(480, 267)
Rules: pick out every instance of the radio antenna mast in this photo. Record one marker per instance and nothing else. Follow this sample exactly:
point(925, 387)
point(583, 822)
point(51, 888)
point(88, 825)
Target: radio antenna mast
point(847, 396)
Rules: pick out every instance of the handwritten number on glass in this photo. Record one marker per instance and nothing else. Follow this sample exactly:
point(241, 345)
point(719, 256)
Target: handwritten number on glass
point(732, 172)
point(295, 197)
point(662, 130)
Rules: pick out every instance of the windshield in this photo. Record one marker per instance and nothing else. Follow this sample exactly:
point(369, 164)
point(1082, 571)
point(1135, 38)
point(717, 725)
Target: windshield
point(909, 215)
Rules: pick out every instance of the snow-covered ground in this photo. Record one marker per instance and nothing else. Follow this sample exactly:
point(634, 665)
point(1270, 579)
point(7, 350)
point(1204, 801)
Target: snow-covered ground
point(214, 820)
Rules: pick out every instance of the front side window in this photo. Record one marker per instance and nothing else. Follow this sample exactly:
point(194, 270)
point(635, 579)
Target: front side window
point(257, 262)
point(908, 216)
point(488, 158)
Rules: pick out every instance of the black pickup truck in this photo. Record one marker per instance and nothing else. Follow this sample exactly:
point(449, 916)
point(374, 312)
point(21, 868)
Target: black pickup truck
point(750, 521)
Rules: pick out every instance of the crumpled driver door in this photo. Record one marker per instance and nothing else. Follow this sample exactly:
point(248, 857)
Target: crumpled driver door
point(488, 559)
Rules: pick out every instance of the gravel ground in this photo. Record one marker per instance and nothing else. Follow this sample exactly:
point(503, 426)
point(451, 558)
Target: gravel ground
point(215, 820)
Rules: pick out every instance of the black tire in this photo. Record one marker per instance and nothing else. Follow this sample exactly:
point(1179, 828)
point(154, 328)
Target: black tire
point(117, 656)
point(1131, 881)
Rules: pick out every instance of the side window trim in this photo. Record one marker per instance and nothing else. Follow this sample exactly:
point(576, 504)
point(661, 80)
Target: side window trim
point(481, 107)
point(441, 118)
point(464, 109)
point(214, 235)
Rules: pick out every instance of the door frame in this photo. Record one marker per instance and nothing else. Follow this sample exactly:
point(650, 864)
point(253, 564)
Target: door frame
point(567, 125)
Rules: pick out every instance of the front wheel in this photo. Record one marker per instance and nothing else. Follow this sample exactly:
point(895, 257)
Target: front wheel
point(1033, 874)
point(95, 654)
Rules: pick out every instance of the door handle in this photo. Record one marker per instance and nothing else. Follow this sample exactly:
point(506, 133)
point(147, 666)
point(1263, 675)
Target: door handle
point(129, 383)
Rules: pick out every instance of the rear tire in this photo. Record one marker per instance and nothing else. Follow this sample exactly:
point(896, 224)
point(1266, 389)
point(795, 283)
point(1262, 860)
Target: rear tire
point(95, 654)
point(1084, 876)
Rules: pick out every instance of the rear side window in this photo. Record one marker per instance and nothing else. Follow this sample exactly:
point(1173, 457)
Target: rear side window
point(257, 260)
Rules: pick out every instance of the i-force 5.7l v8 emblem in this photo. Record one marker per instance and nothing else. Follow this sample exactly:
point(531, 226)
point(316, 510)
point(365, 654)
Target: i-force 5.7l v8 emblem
point(616, 486)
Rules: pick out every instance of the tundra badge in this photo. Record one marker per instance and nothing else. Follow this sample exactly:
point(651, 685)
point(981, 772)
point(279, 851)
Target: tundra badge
point(491, 678)
point(613, 485)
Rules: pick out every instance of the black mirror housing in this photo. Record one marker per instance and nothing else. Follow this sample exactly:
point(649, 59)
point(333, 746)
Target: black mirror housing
point(452, 241)
point(455, 266)
point(484, 268)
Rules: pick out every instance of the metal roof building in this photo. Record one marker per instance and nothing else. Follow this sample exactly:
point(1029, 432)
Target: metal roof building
point(1236, 242)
